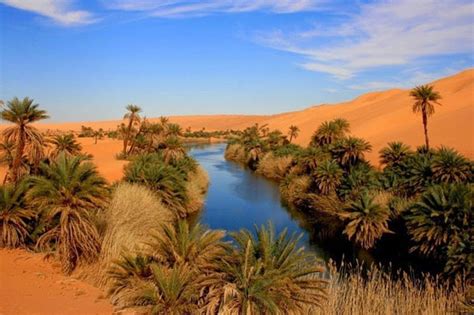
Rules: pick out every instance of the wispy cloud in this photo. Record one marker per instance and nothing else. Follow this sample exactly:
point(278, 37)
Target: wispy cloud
point(191, 8)
point(61, 11)
point(381, 34)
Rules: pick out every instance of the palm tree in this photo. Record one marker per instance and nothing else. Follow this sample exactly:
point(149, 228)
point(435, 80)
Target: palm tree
point(443, 213)
point(174, 130)
point(367, 221)
point(7, 155)
point(425, 98)
point(293, 132)
point(181, 243)
point(269, 274)
point(23, 113)
point(68, 193)
point(133, 116)
point(65, 143)
point(330, 131)
point(451, 167)
point(351, 150)
point(394, 153)
point(14, 215)
point(174, 150)
point(328, 176)
point(179, 265)
point(166, 181)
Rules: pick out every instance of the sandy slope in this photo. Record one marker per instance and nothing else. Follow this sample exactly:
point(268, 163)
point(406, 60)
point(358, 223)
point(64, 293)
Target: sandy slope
point(30, 285)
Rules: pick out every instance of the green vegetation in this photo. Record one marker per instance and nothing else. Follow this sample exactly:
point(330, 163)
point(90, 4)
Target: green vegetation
point(423, 197)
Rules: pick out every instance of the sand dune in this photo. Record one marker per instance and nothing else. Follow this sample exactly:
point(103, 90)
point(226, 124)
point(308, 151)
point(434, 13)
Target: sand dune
point(379, 117)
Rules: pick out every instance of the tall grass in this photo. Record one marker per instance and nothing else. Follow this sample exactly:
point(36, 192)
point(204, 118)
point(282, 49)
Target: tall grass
point(236, 152)
point(133, 212)
point(196, 188)
point(374, 292)
point(274, 167)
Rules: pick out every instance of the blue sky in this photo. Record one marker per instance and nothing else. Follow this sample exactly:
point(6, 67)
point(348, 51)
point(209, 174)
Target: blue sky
point(85, 60)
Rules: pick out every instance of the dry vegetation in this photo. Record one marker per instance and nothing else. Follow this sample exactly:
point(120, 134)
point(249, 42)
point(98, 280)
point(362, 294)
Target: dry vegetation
point(374, 292)
point(274, 167)
point(133, 212)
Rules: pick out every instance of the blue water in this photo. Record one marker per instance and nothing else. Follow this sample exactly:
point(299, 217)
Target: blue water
point(238, 198)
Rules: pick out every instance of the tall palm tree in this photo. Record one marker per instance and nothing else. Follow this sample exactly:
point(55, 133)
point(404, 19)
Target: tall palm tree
point(14, 215)
point(425, 98)
point(269, 274)
point(367, 220)
point(328, 176)
point(68, 193)
point(133, 116)
point(293, 132)
point(394, 153)
point(64, 143)
point(23, 113)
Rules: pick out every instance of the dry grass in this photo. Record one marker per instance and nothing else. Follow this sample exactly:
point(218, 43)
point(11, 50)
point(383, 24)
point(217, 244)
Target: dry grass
point(133, 212)
point(376, 293)
point(196, 188)
point(236, 152)
point(294, 188)
point(274, 167)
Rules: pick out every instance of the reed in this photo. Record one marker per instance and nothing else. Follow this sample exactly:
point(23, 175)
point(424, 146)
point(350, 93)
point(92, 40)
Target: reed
point(274, 167)
point(374, 292)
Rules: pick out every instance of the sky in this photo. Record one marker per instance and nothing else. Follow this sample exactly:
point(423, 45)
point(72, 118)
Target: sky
point(86, 60)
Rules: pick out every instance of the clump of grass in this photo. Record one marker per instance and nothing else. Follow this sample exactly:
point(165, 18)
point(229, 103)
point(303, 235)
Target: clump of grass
point(236, 152)
point(196, 188)
point(372, 291)
point(295, 187)
point(274, 167)
point(133, 211)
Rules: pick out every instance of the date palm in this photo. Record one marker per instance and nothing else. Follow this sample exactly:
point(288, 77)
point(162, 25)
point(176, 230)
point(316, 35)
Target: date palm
point(69, 192)
point(133, 116)
point(269, 273)
point(14, 215)
point(394, 153)
point(65, 143)
point(451, 167)
point(23, 113)
point(425, 98)
point(351, 150)
point(293, 132)
point(173, 150)
point(442, 214)
point(330, 131)
point(367, 220)
point(328, 176)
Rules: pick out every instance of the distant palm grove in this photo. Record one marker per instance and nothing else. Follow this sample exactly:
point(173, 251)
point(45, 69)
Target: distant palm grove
point(136, 238)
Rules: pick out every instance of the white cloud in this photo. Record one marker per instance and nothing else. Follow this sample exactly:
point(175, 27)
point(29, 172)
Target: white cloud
point(383, 33)
point(190, 8)
point(58, 10)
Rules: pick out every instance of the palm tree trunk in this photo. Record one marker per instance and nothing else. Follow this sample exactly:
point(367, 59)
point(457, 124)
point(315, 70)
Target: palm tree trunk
point(291, 137)
point(18, 155)
point(425, 128)
point(6, 177)
point(125, 141)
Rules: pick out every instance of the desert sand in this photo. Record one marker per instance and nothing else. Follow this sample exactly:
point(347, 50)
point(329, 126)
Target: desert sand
point(30, 285)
